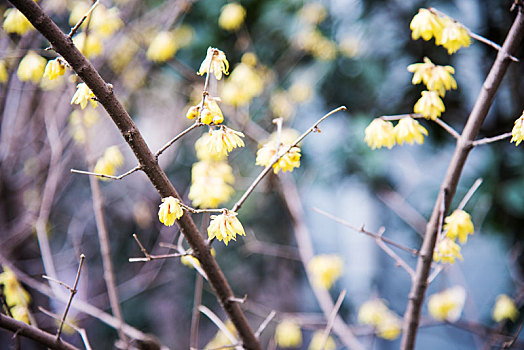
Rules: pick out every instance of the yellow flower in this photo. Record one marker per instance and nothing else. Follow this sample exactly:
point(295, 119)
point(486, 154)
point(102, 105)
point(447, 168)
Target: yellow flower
point(13, 291)
point(301, 92)
point(31, 67)
point(325, 270)
point(183, 35)
point(458, 224)
point(518, 130)
point(313, 13)
point(4, 75)
point(54, 69)
point(210, 114)
point(282, 105)
point(104, 167)
point(217, 61)
point(232, 16)
point(390, 327)
point(409, 130)
point(82, 95)
point(20, 313)
point(375, 313)
point(91, 47)
point(454, 36)
point(126, 49)
point(244, 83)
point(429, 105)
point(202, 149)
point(436, 78)
point(162, 48)
point(107, 164)
point(224, 140)
point(170, 211)
point(505, 308)
point(267, 153)
point(16, 22)
point(288, 334)
point(447, 251)
point(225, 227)
point(114, 156)
point(317, 44)
point(220, 340)
point(447, 305)
point(191, 261)
point(421, 71)
point(105, 22)
point(210, 183)
point(425, 24)
point(317, 340)
point(380, 133)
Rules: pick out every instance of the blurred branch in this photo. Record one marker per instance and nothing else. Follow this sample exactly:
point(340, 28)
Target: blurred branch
point(400, 262)
point(81, 21)
point(404, 210)
point(449, 184)
point(487, 140)
point(119, 177)
point(38, 335)
point(267, 169)
point(264, 323)
point(331, 318)
point(105, 95)
point(218, 322)
point(470, 193)
point(81, 331)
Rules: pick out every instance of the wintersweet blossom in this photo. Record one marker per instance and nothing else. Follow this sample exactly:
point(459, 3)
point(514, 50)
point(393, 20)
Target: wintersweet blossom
point(225, 227)
point(211, 113)
point(16, 297)
point(517, 132)
point(231, 16)
point(288, 334)
point(82, 95)
point(109, 162)
point(454, 35)
point(114, 156)
point(54, 69)
point(245, 82)
point(325, 269)
point(162, 48)
point(170, 211)
point(317, 340)
point(436, 78)
point(202, 149)
point(31, 67)
point(448, 304)
point(380, 133)
point(429, 105)
point(15, 22)
point(458, 224)
point(267, 153)
point(375, 313)
point(224, 140)
point(447, 251)
point(90, 47)
point(409, 130)
point(505, 309)
point(191, 261)
point(210, 183)
point(421, 71)
point(216, 62)
point(425, 24)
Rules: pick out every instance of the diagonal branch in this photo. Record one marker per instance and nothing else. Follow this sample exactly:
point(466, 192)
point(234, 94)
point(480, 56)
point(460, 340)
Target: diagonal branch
point(449, 184)
point(146, 159)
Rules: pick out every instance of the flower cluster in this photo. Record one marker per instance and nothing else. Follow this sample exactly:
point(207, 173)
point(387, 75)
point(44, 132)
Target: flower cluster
point(447, 32)
point(109, 162)
point(517, 133)
point(457, 225)
point(448, 304)
point(271, 149)
point(310, 38)
point(54, 69)
point(288, 334)
point(16, 297)
point(15, 22)
point(381, 133)
point(31, 67)
point(215, 62)
point(170, 211)
point(375, 313)
point(436, 78)
point(245, 82)
point(223, 140)
point(210, 114)
point(225, 227)
point(505, 309)
point(162, 48)
point(325, 270)
point(430, 105)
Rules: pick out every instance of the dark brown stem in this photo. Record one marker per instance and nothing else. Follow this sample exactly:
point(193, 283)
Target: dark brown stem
point(449, 185)
point(25, 330)
point(146, 159)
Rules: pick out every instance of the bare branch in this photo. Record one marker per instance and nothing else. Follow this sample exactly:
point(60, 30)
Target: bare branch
point(370, 234)
point(331, 319)
point(400, 262)
point(65, 285)
point(195, 319)
point(81, 331)
point(218, 322)
point(448, 128)
point(176, 138)
point(487, 140)
point(267, 169)
point(119, 177)
point(71, 296)
point(264, 323)
point(470, 193)
point(81, 21)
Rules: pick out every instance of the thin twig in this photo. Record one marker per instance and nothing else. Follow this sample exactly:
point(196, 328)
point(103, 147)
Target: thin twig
point(509, 344)
point(487, 140)
point(266, 170)
point(81, 21)
point(176, 138)
point(146, 254)
point(332, 318)
point(73, 292)
point(264, 323)
point(368, 233)
point(218, 322)
point(201, 211)
point(400, 262)
point(469, 194)
point(119, 177)
point(448, 128)
point(65, 285)
point(81, 331)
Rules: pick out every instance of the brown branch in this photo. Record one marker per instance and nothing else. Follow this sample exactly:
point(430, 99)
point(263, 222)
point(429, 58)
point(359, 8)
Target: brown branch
point(400, 262)
point(38, 335)
point(176, 138)
point(82, 332)
point(104, 94)
point(449, 184)
point(487, 140)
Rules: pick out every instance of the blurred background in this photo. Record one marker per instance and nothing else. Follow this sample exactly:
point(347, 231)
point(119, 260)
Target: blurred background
point(305, 58)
